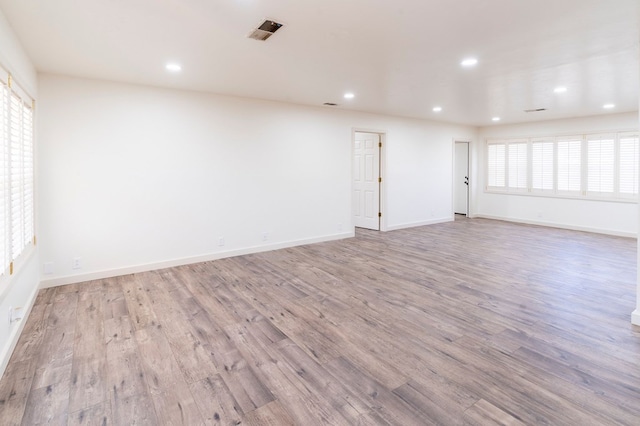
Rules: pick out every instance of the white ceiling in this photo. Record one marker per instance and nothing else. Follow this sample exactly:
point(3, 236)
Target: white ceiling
point(399, 57)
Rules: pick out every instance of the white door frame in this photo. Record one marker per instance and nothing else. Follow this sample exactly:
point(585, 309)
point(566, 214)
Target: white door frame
point(383, 186)
point(453, 176)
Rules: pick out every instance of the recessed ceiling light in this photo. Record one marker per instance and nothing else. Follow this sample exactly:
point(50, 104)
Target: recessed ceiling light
point(496, 118)
point(469, 62)
point(560, 89)
point(437, 109)
point(173, 67)
point(349, 96)
point(608, 106)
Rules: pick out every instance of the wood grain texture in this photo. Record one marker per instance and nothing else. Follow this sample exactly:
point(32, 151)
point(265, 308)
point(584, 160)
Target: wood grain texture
point(473, 322)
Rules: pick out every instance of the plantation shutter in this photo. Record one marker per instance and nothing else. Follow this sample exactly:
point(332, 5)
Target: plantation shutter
point(16, 178)
point(28, 174)
point(600, 164)
point(542, 165)
point(16, 173)
point(629, 158)
point(569, 164)
point(517, 165)
point(4, 178)
point(496, 173)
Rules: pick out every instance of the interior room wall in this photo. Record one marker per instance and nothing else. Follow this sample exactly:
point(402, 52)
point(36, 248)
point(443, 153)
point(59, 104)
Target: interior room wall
point(134, 178)
point(610, 217)
point(20, 289)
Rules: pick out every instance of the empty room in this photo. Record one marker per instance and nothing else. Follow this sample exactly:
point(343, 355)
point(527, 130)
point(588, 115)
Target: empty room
point(363, 212)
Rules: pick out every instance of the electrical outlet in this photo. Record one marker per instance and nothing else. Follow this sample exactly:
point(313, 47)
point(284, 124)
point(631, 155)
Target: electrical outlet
point(265, 236)
point(221, 241)
point(15, 314)
point(339, 227)
point(77, 263)
point(47, 268)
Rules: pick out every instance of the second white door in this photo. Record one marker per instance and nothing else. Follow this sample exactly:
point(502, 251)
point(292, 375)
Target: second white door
point(366, 180)
point(461, 179)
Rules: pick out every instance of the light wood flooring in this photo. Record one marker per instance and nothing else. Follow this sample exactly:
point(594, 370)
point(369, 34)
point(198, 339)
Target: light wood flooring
point(470, 322)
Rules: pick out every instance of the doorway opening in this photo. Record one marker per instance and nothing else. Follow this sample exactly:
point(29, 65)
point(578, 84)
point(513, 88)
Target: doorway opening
point(461, 178)
point(367, 180)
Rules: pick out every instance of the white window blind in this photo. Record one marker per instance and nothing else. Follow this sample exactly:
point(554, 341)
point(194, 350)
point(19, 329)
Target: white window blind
point(596, 166)
point(16, 167)
point(517, 165)
point(496, 165)
point(629, 159)
point(569, 164)
point(17, 175)
point(4, 177)
point(28, 170)
point(542, 165)
point(600, 164)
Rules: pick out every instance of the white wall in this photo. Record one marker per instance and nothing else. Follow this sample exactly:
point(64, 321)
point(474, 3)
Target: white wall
point(134, 178)
point(618, 218)
point(20, 289)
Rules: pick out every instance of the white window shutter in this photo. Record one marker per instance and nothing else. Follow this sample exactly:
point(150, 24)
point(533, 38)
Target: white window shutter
point(28, 173)
point(600, 164)
point(4, 177)
point(16, 173)
point(629, 158)
point(542, 165)
point(496, 162)
point(569, 164)
point(518, 165)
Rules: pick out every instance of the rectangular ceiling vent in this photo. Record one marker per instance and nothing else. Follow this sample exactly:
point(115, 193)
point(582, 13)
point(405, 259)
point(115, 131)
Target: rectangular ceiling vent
point(265, 30)
point(535, 110)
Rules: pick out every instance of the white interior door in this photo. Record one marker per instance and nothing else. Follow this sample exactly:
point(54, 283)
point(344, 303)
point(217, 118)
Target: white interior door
point(366, 182)
point(461, 179)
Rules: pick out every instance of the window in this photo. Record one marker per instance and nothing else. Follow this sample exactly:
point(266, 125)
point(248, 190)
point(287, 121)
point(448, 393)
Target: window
point(600, 164)
point(569, 165)
point(629, 159)
point(508, 165)
point(592, 165)
point(517, 165)
point(16, 174)
point(496, 159)
point(542, 164)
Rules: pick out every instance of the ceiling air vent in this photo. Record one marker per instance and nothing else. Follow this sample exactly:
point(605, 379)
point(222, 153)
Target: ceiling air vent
point(535, 110)
point(265, 30)
point(329, 104)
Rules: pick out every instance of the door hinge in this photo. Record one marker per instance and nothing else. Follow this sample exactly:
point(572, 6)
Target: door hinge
point(11, 268)
point(34, 240)
point(379, 144)
point(379, 180)
point(9, 81)
point(379, 214)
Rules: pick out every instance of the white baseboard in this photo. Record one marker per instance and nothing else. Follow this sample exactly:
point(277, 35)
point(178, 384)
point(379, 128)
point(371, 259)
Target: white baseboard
point(9, 346)
point(97, 275)
point(635, 317)
point(560, 225)
point(421, 223)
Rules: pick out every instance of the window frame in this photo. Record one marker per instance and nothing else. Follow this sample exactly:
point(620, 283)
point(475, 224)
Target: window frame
point(13, 257)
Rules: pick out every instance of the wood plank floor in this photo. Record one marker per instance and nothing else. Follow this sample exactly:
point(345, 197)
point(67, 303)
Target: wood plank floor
point(472, 322)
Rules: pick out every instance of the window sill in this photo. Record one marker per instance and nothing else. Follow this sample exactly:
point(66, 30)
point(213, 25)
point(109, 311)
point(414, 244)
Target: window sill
point(524, 193)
